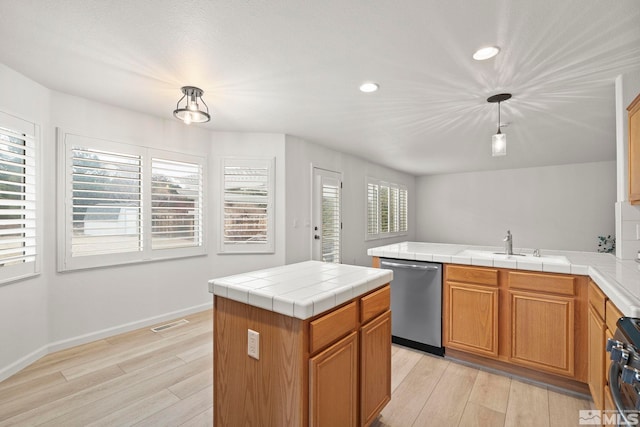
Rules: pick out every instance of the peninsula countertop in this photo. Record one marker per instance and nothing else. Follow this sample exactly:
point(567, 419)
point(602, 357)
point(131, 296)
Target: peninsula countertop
point(618, 279)
point(301, 290)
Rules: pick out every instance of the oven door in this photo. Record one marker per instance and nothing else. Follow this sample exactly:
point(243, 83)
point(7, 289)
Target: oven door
point(624, 396)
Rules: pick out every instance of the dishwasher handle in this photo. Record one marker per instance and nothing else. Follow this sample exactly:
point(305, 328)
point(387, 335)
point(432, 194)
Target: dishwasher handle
point(411, 266)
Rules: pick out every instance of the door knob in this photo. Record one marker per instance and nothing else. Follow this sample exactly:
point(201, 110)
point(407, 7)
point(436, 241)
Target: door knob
point(316, 237)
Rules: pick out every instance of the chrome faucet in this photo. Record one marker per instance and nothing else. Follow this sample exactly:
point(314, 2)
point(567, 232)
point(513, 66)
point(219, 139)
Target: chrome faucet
point(508, 243)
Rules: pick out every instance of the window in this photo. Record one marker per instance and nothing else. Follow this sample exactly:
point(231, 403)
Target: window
point(19, 218)
point(124, 203)
point(247, 205)
point(386, 209)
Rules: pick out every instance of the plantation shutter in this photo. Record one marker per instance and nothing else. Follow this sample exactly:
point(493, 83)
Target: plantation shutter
point(372, 209)
point(403, 210)
point(176, 204)
point(247, 205)
point(106, 202)
point(393, 209)
point(18, 243)
point(331, 225)
point(384, 209)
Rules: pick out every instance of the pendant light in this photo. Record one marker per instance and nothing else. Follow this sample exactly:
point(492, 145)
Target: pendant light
point(499, 140)
point(190, 112)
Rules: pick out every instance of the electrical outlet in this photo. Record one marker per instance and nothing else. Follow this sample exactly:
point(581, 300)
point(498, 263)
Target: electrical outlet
point(637, 231)
point(253, 344)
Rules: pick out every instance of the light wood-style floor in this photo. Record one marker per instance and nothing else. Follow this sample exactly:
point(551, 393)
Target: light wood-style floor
point(144, 378)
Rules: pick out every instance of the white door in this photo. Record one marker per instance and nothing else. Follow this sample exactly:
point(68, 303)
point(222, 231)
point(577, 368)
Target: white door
point(326, 217)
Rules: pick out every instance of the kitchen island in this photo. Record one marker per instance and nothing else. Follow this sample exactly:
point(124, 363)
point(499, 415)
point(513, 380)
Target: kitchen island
point(302, 344)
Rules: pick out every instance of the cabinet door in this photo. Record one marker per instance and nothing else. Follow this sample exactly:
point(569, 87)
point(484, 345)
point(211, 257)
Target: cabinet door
point(375, 359)
point(542, 332)
point(596, 358)
point(471, 318)
point(333, 384)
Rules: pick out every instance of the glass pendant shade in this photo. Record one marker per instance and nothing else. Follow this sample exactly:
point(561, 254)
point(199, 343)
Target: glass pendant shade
point(499, 144)
point(190, 112)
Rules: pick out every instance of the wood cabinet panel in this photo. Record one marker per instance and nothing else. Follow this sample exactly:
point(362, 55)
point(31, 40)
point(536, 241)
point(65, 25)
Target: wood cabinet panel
point(478, 276)
point(328, 328)
point(375, 367)
point(375, 303)
point(333, 384)
point(542, 332)
point(597, 299)
point(547, 283)
point(612, 314)
point(471, 314)
point(634, 151)
point(596, 373)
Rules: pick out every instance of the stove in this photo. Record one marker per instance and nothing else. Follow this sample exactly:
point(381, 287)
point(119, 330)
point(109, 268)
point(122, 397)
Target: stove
point(624, 371)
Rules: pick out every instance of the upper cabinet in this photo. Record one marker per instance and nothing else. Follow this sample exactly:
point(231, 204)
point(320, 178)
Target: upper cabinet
point(634, 151)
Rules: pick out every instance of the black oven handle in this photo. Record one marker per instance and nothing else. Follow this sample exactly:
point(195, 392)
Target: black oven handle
point(614, 387)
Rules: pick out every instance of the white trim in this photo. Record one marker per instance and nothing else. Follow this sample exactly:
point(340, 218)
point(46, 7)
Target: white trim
point(32, 357)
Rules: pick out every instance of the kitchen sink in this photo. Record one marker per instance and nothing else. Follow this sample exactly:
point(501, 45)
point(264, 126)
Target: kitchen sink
point(488, 254)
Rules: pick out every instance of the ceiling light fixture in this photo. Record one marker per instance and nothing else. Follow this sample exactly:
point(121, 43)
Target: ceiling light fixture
point(191, 112)
point(499, 140)
point(369, 87)
point(486, 53)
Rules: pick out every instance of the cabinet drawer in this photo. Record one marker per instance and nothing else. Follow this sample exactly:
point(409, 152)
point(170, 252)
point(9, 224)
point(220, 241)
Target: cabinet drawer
point(375, 303)
point(597, 299)
point(546, 283)
point(612, 314)
point(330, 327)
point(479, 276)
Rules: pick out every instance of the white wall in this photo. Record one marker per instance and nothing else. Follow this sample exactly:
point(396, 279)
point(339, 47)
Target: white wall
point(556, 207)
point(300, 156)
point(627, 216)
point(87, 304)
point(23, 304)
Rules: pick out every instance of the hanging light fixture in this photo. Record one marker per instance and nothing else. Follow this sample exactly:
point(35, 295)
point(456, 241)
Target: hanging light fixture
point(499, 140)
point(191, 112)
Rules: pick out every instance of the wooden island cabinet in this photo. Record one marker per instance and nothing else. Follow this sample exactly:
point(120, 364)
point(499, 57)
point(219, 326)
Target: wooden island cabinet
point(333, 369)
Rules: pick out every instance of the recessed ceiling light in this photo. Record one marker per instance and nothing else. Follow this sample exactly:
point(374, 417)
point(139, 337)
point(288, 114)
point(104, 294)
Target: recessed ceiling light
point(369, 87)
point(486, 53)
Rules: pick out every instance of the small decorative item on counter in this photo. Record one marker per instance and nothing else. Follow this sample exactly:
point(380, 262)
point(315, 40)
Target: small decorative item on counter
point(607, 244)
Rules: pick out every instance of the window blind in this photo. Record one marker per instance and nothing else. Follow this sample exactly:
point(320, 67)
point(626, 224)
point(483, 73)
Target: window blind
point(176, 204)
point(402, 205)
point(246, 204)
point(331, 222)
point(106, 202)
point(17, 198)
point(387, 205)
point(372, 209)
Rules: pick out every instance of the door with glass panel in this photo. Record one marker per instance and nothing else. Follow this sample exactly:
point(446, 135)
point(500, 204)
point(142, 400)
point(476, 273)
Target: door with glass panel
point(326, 216)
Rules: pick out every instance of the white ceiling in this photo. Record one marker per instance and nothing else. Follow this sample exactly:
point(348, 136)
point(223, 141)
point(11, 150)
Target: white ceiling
point(294, 67)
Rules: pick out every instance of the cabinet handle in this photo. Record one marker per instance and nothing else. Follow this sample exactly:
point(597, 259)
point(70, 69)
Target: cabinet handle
point(414, 266)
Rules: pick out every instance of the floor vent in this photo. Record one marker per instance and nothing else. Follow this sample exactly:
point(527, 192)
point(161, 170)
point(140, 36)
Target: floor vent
point(169, 325)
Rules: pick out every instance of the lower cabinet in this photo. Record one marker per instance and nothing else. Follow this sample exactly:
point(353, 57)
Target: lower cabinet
point(375, 363)
point(542, 332)
point(333, 384)
point(472, 318)
point(520, 319)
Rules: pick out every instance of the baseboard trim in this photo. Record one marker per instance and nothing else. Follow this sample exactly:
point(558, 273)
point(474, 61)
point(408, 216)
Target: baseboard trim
point(23, 362)
point(27, 360)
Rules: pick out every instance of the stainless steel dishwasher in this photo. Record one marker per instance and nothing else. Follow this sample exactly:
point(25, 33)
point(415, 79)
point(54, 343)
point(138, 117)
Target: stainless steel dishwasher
point(416, 304)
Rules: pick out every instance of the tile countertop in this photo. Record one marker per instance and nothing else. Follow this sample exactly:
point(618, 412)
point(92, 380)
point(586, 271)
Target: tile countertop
point(301, 290)
point(618, 279)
